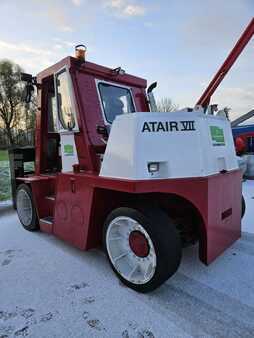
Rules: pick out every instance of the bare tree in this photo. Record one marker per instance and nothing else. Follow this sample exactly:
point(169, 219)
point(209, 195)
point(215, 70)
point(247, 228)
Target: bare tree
point(165, 104)
point(11, 92)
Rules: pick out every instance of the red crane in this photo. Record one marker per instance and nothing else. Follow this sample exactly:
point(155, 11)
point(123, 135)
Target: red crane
point(228, 63)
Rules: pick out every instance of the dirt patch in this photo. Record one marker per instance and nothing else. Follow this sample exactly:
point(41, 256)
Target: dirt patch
point(88, 300)
point(77, 287)
point(134, 330)
point(5, 315)
point(8, 255)
point(29, 316)
point(6, 262)
point(94, 323)
point(45, 318)
point(22, 332)
point(27, 313)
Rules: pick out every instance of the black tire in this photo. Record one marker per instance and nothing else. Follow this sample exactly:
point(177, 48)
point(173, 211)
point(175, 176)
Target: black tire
point(243, 207)
point(33, 225)
point(164, 237)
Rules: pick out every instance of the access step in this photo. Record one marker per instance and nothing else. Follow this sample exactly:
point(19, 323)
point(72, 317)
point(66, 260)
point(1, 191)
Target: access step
point(50, 204)
point(50, 198)
point(48, 220)
point(46, 224)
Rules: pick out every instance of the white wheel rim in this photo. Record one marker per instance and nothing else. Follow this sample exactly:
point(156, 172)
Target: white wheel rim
point(135, 269)
point(24, 207)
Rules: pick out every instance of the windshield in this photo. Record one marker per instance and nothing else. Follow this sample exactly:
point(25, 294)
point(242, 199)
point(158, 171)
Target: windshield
point(116, 101)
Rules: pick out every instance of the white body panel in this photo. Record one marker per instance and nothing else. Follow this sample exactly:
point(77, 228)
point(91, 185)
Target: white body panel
point(68, 151)
point(140, 138)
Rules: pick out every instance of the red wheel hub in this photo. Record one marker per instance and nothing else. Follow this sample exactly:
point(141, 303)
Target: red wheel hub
point(139, 244)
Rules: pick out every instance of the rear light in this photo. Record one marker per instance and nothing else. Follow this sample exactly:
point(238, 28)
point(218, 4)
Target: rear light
point(153, 167)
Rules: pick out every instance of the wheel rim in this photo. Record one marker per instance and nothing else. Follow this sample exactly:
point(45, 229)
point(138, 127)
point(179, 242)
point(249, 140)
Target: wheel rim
point(131, 250)
point(24, 207)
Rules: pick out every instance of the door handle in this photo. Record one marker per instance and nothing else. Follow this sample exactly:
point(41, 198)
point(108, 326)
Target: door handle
point(73, 185)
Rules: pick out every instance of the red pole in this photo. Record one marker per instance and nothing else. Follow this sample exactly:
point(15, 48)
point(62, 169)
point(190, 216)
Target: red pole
point(228, 63)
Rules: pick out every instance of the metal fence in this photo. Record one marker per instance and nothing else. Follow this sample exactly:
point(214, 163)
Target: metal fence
point(20, 137)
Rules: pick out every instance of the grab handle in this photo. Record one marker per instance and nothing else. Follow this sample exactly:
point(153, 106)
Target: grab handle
point(73, 185)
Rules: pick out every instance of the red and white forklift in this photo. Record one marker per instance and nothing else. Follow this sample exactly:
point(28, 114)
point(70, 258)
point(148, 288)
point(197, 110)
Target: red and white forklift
point(111, 171)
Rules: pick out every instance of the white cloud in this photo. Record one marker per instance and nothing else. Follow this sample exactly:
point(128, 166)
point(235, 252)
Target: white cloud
point(59, 17)
point(55, 12)
point(23, 48)
point(240, 99)
point(66, 28)
point(69, 44)
point(58, 46)
point(134, 10)
point(31, 58)
point(76, 2)
point(116, 3)
point(125, 8)
point(35, 58)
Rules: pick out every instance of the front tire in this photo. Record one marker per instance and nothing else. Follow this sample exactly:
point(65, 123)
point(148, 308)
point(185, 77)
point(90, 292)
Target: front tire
point(143, 247)
point(25, 208)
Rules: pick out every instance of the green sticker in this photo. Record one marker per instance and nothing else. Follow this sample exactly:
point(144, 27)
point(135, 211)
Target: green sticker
point(68, 150)
point(217, 134)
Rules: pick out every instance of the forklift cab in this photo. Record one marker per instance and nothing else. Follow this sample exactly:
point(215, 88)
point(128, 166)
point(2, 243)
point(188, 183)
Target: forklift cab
point(78, 102)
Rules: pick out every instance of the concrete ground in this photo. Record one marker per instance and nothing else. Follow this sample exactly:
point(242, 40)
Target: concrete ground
point(49, 289)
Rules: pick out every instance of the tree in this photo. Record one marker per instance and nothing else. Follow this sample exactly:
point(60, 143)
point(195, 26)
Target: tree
point(165, 104)
point(11, 98)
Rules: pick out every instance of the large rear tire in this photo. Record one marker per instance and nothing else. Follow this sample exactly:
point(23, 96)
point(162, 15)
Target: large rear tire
point(25, 208)
point(143, 247)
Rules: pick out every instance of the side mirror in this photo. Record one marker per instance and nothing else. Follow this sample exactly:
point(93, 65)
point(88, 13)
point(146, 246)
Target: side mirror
point(29, 88)
point(26, 77)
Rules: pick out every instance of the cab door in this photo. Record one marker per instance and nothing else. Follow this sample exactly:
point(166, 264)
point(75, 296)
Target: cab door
point(67, 118)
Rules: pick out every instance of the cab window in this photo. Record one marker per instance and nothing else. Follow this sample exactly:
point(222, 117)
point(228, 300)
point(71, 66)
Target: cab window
point(52, 113)
point(65, 109)
point(115, 100)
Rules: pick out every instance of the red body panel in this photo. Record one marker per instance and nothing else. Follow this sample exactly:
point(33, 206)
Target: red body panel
point(83, 202)
point(223, 219)
point(73, 209)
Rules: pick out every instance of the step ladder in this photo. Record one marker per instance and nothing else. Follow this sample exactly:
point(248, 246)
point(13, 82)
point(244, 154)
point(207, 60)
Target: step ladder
point(46, 223)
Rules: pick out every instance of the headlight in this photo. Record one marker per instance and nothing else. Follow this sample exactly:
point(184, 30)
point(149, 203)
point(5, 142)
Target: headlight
point(153, 167)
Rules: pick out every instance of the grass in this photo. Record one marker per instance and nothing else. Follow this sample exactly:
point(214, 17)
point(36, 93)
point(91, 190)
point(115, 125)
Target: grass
point(4, 155)
point(5, 180)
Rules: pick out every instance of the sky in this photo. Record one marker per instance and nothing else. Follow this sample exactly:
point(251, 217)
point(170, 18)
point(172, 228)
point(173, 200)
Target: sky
point(178, 43)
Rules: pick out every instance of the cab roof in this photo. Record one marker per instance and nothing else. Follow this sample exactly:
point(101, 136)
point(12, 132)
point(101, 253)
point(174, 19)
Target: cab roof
point(93, 69)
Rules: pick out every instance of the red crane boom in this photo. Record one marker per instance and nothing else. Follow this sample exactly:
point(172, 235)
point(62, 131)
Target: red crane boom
point(228, 63)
